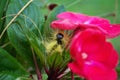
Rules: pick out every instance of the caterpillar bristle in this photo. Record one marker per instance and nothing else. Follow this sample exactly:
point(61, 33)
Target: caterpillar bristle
point(57, 42)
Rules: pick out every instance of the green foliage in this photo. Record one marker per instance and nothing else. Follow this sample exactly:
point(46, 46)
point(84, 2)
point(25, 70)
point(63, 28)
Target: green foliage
point(35, 43)
point(15, 34)
point(3, 6)
point(118, 71)
point(10, 68)
point(55, 60)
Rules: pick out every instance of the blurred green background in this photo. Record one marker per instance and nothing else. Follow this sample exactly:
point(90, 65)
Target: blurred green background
point(104, 8)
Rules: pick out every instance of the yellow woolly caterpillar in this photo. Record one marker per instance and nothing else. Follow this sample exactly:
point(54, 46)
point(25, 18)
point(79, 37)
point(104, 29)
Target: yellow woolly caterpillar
point(57, 43)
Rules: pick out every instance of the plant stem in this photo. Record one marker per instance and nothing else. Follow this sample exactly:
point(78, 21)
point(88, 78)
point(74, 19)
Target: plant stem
point(6, 44)
point(72, 76)
point(63, 72)
point(36, 66)
point(46, 70)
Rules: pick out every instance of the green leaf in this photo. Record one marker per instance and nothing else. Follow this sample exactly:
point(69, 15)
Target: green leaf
point(44, 76)
point(31, 16)
point(52, 16)
point(118, 71)
point(36, 44)
point(10, 68)
point(20, 43)
point(3, 6)
point(7, 75)
point(56, 64)
point(55, 60)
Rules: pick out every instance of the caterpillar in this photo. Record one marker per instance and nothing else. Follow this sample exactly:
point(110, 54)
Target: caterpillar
point(58, 43)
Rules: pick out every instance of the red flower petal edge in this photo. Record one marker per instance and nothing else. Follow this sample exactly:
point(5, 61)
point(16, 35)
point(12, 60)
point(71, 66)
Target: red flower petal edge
point(71, 21)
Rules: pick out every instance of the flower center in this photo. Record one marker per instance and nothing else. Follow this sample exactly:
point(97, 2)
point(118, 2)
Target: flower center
point(84, 55)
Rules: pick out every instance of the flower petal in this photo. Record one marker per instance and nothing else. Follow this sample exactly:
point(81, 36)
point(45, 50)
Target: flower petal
point(97, 71)
point(72, 20)
point(91, 45)
point(93, 70)
point(112, 31)
point(75, 68)
point(80, 39)
point(74, 17)
point(65, 24)
point(99, 50)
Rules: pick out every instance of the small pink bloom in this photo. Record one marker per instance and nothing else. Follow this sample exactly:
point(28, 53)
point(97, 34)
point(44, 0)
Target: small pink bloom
point(94, 57)
point(71, 21)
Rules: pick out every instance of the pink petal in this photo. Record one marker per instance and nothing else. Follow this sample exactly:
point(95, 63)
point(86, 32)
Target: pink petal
point(97, 71)
point(74, 17)
point(98, 50)
point(69, 20)
point(63, 24)
point(112, 31)
point(80, 38)
point(75, 46)
point(72, 20)
point(75, 68)
point(93, 44)
point(93, 71)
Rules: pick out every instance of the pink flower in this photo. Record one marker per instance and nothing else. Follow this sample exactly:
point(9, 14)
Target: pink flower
point(71, 21)
point(93, 57)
